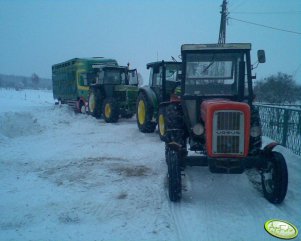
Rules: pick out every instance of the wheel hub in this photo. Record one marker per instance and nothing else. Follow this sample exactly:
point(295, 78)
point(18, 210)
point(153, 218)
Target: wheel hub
point(92, 103)
point(141, 112)
point(268, 178)
point(161, 125)
point(108, 111)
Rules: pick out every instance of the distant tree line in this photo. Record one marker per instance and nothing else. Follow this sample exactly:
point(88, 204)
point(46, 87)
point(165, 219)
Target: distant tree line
point(23, 82)
point(280, 88)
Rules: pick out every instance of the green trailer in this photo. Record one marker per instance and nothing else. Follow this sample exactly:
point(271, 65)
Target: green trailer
point(71, 80)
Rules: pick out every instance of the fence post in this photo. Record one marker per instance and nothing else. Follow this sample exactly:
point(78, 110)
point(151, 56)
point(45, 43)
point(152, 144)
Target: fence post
point(285, 127)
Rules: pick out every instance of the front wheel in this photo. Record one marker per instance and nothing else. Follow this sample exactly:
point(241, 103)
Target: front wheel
point(94, 104)
point(174, 175)
point(110, 110)
point(275, 178)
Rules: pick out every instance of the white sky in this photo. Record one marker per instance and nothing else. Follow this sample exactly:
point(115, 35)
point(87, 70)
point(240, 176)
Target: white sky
point(34, 34)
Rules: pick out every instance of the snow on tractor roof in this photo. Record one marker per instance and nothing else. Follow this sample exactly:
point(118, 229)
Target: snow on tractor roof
point(189, 47)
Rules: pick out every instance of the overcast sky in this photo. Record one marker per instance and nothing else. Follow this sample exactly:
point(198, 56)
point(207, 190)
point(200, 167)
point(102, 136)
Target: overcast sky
point(35, 34)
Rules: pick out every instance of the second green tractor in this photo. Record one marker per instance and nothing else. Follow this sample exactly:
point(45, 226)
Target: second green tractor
point(163, 85)
point(114, 93)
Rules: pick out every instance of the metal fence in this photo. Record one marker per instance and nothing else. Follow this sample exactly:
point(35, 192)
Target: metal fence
point(282, 124)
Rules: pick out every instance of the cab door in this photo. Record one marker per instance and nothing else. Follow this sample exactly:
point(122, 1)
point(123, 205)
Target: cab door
point(156, 82)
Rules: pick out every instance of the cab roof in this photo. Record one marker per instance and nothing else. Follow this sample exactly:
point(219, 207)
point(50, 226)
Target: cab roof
point(206, 47)
point(158, 63)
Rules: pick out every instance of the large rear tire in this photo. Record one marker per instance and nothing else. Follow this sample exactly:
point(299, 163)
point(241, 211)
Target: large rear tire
point(110, 110)
point(275, 178)
point(162, 124)
point(94, 104)
point(174, 175)
point(144, 114)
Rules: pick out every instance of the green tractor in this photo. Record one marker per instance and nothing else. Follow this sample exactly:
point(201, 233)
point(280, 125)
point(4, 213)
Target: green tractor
point(163, 84)
point(114, 93)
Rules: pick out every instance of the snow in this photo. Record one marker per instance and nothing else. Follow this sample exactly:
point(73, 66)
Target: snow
point(67, 176)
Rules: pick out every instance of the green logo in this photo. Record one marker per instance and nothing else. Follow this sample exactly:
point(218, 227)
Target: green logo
point(281, 229)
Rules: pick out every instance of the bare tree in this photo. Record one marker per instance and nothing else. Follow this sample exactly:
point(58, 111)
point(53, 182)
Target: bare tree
point(35, 80)
point(279, 89)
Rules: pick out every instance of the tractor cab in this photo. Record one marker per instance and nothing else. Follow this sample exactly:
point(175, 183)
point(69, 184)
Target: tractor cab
point(116, 75)
point(217, 79)
point(163, 78)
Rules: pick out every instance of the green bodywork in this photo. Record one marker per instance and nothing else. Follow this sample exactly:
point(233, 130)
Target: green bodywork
point(71, 79)
point(126, 95)
point(158, 92)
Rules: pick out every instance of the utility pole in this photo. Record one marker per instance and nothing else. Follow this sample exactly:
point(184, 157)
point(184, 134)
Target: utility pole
point(222, 28)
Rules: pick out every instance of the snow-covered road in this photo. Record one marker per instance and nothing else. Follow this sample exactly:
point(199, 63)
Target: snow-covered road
point(66, 176)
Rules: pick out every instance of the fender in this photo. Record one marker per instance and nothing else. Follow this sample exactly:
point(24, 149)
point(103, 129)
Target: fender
point(260, 162)
point(269, 148)
point(151, 97)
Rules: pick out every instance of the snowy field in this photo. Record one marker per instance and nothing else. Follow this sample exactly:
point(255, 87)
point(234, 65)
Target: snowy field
point(67, 176)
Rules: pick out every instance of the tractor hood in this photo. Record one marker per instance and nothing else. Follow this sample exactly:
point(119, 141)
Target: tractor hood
point(227, 126)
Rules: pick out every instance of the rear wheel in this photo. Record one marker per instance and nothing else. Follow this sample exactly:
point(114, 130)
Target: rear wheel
point(275, 178)
point(144, 113)
point(174, 175)
point(94, 104)
point(110, 110)
point(161, 124)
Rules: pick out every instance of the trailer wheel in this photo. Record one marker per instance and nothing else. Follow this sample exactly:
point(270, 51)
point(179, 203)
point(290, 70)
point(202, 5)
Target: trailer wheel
point(110, 110)
point(275, 178)
point(94, 104)
point(144, 114)
point(174, 175)
point(82, 107)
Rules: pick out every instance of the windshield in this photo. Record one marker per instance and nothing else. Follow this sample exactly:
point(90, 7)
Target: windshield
point(212, 74)
point(171, 72)
point(114, 76)
point(132, 77)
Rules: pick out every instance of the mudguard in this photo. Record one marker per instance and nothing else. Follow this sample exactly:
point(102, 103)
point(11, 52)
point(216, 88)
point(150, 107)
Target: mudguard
point(269, 148)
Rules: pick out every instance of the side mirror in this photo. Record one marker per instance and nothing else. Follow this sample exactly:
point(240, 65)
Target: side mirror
point(261, 56)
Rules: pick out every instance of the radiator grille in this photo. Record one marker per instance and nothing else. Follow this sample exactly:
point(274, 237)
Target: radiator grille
point(228, 132)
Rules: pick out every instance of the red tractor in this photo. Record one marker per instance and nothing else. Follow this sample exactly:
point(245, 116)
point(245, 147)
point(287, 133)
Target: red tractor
point(215, 117)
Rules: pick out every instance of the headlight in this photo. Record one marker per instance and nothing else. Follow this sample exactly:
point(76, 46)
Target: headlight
point(198, 129)
point(255, 131)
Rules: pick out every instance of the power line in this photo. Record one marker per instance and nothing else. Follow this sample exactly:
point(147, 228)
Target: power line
point(287, 12)
point(239, 5)
point(262, 25)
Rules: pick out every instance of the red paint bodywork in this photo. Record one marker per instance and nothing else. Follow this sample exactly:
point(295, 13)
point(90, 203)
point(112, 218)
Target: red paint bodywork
point(209, 107)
